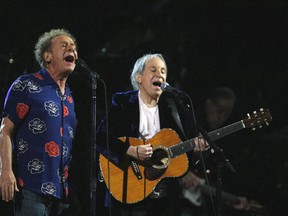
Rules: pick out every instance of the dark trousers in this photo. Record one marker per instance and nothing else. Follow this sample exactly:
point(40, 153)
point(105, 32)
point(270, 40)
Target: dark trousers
point(6, 208)
point(28, 203)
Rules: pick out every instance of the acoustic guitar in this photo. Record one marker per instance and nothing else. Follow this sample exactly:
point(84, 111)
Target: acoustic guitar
point(133, 180)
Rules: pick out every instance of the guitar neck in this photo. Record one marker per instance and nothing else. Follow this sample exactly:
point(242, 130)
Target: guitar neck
point(189, 145)
point(224, 131)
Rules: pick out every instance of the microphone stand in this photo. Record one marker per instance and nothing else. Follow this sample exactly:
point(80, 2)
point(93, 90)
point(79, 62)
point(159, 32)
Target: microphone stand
point(93, 179)
point(82, 66)
point(181, 98)
point(222, 161)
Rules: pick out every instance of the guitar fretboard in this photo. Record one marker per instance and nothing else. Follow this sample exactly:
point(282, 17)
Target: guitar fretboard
point(189, 145)
point(224, 131)
point(181, 148)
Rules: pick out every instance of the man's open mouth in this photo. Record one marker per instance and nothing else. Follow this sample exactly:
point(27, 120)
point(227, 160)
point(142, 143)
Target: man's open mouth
point(157, 83)
point(69, 58)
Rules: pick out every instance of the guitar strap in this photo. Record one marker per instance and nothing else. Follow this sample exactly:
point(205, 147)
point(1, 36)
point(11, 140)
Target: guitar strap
point(175, 114)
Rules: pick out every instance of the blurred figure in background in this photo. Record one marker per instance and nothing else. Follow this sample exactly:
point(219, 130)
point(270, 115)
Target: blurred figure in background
point(218, 108)
point(215, 113)
point(218, 111)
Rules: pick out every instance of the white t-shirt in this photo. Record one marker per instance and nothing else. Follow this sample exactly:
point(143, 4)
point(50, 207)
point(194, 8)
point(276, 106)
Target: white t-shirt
point(149, 123)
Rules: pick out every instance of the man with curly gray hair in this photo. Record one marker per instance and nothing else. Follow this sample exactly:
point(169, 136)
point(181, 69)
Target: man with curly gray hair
point(44, 43)
point(38, 125)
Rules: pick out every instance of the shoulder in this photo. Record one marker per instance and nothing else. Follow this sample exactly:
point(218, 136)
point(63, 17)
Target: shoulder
point(20, 84)
point(30, 76)
point(25, 79)
point(125, 97)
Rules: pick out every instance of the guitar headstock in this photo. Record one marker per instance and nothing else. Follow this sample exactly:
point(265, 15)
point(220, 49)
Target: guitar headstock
point(257, 119)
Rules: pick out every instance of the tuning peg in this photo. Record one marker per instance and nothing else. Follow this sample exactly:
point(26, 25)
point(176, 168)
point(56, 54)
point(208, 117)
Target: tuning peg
point(261, 109)
point(267, 123)
point(253, 128)
point(254, 112)
point(248, 115)
point(260, 126)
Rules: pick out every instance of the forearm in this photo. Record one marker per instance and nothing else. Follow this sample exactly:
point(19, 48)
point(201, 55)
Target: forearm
point(6, 145)
point(8, 184)
point(6, 154)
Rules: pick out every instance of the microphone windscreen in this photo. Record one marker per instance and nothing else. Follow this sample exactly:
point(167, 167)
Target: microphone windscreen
point(164, 85)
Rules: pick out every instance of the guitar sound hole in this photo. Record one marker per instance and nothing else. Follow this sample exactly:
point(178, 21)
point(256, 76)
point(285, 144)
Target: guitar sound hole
point(159, 157)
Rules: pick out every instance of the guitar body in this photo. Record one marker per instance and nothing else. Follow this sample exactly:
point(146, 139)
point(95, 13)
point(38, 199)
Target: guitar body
point(125, 185)
point(133, 180)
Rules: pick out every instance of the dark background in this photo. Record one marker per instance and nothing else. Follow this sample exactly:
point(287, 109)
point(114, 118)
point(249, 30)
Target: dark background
point(241, 44)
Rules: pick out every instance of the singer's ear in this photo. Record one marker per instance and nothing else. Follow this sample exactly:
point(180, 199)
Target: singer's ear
point(138, 78)
point(47, 56)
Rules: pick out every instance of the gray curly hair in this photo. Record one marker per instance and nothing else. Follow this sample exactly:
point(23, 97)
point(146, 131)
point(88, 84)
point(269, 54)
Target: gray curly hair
point(44, 42)
point(139, 67)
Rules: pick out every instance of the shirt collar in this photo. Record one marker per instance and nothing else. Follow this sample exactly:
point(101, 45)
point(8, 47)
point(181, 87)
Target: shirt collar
point(45, 76)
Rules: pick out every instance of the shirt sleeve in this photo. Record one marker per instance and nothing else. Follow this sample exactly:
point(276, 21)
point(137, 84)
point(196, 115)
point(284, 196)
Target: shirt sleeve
point(16, 106)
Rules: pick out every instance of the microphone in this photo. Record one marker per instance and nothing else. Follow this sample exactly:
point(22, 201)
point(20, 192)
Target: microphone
point(166, 87)
point(181, 97)
point(82, 66)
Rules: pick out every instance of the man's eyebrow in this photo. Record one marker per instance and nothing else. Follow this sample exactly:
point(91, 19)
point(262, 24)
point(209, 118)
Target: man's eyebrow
point(66, 42)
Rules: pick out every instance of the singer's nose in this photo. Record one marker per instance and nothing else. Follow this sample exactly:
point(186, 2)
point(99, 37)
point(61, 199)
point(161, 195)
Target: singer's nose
point(160, 73)
point(75, 54)
point(74, 51)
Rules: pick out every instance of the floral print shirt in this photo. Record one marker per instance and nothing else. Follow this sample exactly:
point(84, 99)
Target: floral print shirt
point(45, 124)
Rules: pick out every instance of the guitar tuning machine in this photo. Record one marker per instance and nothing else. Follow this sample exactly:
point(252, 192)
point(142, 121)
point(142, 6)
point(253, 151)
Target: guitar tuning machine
point(248, 115)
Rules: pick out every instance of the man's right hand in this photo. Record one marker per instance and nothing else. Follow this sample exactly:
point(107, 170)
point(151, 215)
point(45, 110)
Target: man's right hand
point(8, 186)
point(141, 152)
